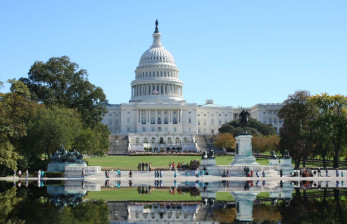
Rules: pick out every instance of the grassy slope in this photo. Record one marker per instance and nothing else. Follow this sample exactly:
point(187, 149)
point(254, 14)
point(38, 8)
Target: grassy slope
point(131, 194)
point(131, 162)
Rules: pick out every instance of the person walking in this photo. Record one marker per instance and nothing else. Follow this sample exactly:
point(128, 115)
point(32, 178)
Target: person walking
point(175, 174)
point(14, 173)
point(263, 173)
point(27, 173)
point(337, 172)
point(39, 174)
point(83, 173)
point(119, 173)
point(19, 173)
point(257, 173)
point(161, 173)
point(130, 174)
point(150, 167)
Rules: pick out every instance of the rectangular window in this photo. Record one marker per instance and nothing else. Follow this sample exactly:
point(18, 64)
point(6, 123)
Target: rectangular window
point(190, 121)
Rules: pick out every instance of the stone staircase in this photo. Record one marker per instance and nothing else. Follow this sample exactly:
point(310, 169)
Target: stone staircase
point(205, 143)
point(202, 143)
point(119, 145)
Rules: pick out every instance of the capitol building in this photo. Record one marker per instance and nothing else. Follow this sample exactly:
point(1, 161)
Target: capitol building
point(158, 118)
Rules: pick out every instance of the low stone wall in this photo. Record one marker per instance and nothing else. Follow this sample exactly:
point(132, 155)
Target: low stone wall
point(76, 171)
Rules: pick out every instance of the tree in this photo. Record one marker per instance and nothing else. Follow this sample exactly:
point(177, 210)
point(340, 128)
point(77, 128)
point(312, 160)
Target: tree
point(266, 143)
point(254, 128)
point(58, 82)
point(16, 108)
point(51, 128)
point(330, 124)
point(295, 132)
point(224, 140)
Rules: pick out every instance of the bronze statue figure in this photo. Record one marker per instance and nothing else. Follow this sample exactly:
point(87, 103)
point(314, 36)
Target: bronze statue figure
point(156, 27)
point(244, 120)
point(273, 155)
point(286, 154)
point(204, 155)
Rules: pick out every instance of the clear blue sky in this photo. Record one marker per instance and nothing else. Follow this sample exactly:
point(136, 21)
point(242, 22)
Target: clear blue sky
point(275, 47)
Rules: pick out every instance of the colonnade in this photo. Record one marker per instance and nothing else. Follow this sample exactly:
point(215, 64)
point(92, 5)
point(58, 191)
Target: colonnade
point(162, 89)
point(152, 74)
point(171, 116)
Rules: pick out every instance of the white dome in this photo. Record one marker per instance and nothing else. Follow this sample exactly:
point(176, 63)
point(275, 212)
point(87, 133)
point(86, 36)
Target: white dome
point(156, 55)
point(156, 76)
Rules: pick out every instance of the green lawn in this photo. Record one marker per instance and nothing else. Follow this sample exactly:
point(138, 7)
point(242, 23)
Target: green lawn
point(131, 162)
point(131, 194)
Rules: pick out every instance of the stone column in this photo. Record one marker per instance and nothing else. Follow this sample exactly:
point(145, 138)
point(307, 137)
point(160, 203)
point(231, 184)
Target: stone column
point(147, 116)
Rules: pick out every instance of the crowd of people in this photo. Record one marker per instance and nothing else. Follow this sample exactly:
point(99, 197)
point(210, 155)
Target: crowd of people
point(249, 172)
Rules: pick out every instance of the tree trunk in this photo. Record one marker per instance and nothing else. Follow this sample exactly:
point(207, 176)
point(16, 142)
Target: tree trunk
point(297, 191)
point(337, 153)
point(324, 161)
point(304, 161)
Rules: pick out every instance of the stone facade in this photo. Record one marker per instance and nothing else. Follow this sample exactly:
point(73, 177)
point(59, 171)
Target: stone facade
point(157, 115)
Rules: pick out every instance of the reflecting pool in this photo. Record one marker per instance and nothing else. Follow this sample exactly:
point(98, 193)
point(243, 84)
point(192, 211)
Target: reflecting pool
point(169, 201)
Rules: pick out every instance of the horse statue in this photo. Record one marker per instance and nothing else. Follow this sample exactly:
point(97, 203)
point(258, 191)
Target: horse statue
point(243, 117)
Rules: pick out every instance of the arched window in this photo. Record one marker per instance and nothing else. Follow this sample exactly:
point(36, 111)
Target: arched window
point(145, 140)
point(185, 140)
point(137, 140)
point(153, 140)
point(177, 140)
point(169, 140)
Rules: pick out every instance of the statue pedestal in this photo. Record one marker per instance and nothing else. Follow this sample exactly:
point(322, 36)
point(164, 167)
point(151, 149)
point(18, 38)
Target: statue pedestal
point(282, 164)
point(208, 162)
point(244, 205)
point(60, 166)
point(243, 152)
